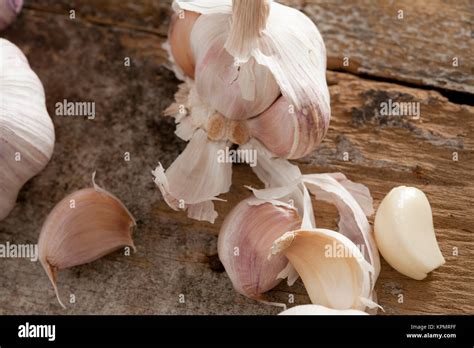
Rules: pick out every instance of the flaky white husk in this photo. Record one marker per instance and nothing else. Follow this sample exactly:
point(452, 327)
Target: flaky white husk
point(26, 130)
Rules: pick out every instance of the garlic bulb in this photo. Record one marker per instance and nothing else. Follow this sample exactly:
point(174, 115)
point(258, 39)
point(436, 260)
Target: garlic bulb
point(9, 9)
point(311, 309)
point(245, 238)
point(405, 234)
point(83, 227)
point(26, 130)
point(259, 70)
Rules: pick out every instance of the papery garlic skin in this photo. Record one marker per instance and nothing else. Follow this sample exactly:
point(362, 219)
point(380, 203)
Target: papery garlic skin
point(9, 9)
point(83, 227)
point(236, 91)
point(405, 234)
point(312, 309)
point(334, 282)
point(244, 240)
point(26, 130)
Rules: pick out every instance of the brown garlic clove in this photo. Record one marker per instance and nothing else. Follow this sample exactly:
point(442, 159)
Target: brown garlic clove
point(288, 132)
point(83, 227)
point(245, 238)
point(179, 38)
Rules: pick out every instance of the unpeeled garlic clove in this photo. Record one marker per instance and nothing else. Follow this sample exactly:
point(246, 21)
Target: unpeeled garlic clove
point(404, 232)
point(9, 9)
point(288, 132)
point(312, 309)
point(179, 40)
point(333, 269)
point(26, 130)
point(83, 227)
point(245, 238)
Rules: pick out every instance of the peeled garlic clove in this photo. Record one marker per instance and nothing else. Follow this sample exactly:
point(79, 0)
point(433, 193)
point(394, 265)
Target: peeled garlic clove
point(9, 9)
point(179, 39)
point(405, 234)
point(26, 130)
point(288, 132)
point(312, 309)
point(83, 227)
point(333, 269)
point(245, 238)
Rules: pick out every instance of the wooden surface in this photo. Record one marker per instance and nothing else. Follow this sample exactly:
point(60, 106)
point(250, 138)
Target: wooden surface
point(82, 60)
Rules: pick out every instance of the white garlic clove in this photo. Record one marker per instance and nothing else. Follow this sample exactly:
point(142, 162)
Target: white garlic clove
point(287, 132)
point(186, 183)
point(83, 227)
point(9, 9)
point(26, 130)
point(405, 233)
point(312, 309)
point(333, 269)
point(245, 238)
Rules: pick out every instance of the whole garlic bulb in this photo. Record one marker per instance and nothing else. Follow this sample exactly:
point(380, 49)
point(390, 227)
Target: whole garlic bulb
point(245, 238)
point(26, 130)
point(9, 9)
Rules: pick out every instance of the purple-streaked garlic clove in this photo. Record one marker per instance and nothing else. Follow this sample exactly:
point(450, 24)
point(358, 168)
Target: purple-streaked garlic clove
point(244, 240)
point(9, 9)
point(83, 227)
point(26, 130)
point(288, 132)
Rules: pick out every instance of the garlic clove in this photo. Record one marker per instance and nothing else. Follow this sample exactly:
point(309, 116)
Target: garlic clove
point(83, 227)
point(312, 309)
point(26, 130)
point(186, 184)
point(353, 222)
point(287, 132)
point(333, 269)
point(245, 238)
point(179, 40)
point(405, 234)
point(9, 9)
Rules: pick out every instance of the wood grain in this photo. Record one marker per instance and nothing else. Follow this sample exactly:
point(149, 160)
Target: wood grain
point(82, 59)
point(416, 49)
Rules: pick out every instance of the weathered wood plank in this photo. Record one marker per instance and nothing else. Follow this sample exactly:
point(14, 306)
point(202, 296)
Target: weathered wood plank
point(80, 60)
point(418, 48)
